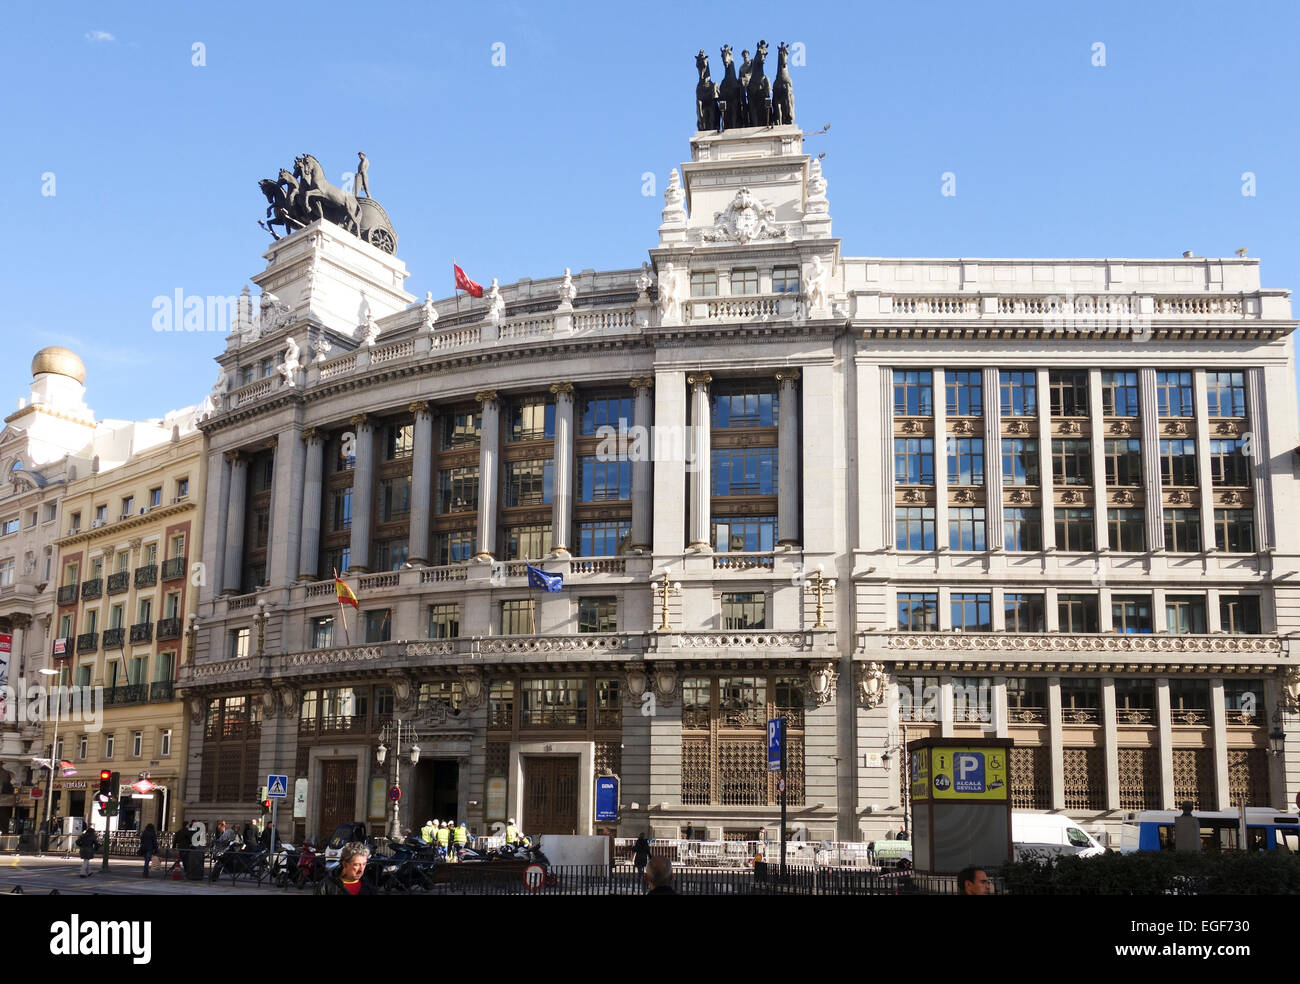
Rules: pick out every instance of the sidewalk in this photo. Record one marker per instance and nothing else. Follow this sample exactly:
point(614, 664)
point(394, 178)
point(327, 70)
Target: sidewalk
point(39, 874)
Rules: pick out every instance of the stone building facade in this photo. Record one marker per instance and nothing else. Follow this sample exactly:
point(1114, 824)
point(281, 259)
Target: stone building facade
point(777, 481)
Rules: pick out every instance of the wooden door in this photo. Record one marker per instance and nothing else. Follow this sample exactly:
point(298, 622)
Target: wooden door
point(338, 796)
point(550, 795)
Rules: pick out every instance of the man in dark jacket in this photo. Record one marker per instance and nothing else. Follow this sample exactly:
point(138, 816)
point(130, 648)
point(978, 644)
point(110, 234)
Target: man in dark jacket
point(88, 843)
point(347, 878)
point(641, 854)
point(250, 836)
point(659, 876)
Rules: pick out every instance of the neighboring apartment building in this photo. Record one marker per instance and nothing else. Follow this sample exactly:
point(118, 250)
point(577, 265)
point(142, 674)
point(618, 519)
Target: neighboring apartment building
point(878, 486)
point(126, 591)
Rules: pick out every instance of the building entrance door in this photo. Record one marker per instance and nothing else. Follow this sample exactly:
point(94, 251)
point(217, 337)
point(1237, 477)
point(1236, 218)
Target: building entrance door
point(550, 794)
point(437, 792)
point(338, 796)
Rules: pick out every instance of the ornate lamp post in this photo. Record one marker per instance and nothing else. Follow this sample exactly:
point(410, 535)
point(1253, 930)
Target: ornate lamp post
point(396, 734)
point(54, 763)
point(260, 618)
point(665, 591)
point(191, 637)
point(819, 585)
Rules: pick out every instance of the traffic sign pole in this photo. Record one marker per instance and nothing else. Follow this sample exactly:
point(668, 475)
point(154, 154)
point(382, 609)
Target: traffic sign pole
point(782, 800)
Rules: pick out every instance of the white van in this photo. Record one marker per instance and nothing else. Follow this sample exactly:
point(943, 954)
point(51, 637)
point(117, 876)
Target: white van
point(1049, 834)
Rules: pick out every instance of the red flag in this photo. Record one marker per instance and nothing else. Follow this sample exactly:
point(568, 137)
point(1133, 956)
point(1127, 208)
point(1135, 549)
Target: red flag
point(464, 283)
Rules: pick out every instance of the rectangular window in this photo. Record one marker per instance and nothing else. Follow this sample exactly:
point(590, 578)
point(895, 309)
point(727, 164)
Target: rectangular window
point(1019, 461)
point(1189, 695)
point(335, 561)
point(740, 471)
point(736, 535)
point(603, 539)
point(1019, 389)
point(1239, 614)
point(1022, 528)
point(128, 506)
point(785, 280)
point(1228, 464)
point(182, 488)
point(1025, 612)
point(461, 429)
point(913, 461)
point(1226, 393)
point(1078, 613)
point(613, 412)
point(109, 742)
point(323, 632)
point(1069, 393)
point(137, 744)
point(1131, 614)
point(239, 643)
point(454, 546)
point(532, 419)
point(165, 668)
point(1071, 462)
point(1080, 693)
point(530, 483)
point(553, 703)
point(444, 621)
point(1119, 393)
point(1135, 694)
point(165, 742)
point(379, 624)
point(391, 554)
point(914, 527)
point(704, 283)
point(155, 497)
point(6, 572)
point(1234, 530)
point(394, 498)
point(965, 392)
point(399, 441)
point(517, 617)
point(744, 282)
point(526, 542)
point(1246, 697)
point(1026, 694)
point(745, 610)
point(1185, 614)
point(972, 612)
point(1183, 530)
point(51, 512)
point(340, 510)
point(1123, 462)
point(751, 407)
point(1174, 394)
point(598, 614)
point(965, 461)
point(82, 746)
point(965, 527)
point(918, 611)
point(1178, 463)
point(913, 393)
point(1128, 531)
point(605, 481)
point(458, 489)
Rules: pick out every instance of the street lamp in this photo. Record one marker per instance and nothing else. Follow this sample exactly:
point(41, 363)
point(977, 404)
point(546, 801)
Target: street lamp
point(819, 586)
point(49, 779)
point(396, 733)
point(260, 618)
point(1276, 735)
point(666, 591)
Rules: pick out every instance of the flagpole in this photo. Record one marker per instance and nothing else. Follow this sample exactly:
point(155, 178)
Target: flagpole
point(342, 614)
point(532, 602)
point(455, 288)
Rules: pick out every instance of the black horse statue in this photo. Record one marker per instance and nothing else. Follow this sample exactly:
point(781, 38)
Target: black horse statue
point(731, 92)
point(706, 96)
point(783, 88)
point(759, 90)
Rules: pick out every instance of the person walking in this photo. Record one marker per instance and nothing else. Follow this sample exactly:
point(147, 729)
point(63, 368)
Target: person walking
point(347, 878)
point(461, 838)
point(641, 854)
point(88, 842)
point(148, 847)
point(250, 835)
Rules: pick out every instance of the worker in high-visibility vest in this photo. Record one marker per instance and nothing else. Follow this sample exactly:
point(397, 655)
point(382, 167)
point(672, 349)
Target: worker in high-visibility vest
point(512, 833)
point(429, 832)
point(461, 838)
point(444, 839)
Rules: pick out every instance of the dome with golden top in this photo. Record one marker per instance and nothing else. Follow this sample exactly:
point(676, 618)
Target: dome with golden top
point(60, 362)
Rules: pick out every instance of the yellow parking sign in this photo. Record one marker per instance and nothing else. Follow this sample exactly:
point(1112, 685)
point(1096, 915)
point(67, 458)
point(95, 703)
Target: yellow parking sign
point(968, 773)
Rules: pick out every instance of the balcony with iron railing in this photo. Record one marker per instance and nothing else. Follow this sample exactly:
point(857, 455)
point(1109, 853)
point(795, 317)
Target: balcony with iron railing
point(68, 594)
point(92, 589)
point(147, 576)
point(1197, 716)
point(131, 693)
point(113, 638)
point(162, 690)
point(141, 632)
point(118, 582)
point(87, 642)
point(169, 628)
point(173, 568)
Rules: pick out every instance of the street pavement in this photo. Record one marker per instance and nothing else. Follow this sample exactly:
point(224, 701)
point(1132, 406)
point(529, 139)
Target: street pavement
point(37, 875)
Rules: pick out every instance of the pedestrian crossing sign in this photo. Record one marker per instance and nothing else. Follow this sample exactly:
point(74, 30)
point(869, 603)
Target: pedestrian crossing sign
point(277, 787)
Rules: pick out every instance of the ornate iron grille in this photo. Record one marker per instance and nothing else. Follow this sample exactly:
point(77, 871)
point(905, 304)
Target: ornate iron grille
point(1194, 777)
point(1031, 774)
point(609, 758)
point(1085, 779)
point(1139, 779)
point(696, 777)
point(1248, 776)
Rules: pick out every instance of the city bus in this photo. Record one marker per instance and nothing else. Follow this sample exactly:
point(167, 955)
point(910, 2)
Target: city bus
point(1266, 830)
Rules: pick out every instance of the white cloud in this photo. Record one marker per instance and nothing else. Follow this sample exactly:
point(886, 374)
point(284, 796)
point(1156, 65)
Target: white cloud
point(98, 36)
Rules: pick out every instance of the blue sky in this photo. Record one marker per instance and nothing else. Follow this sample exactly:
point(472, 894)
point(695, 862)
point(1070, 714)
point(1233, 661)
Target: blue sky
point(525, 168)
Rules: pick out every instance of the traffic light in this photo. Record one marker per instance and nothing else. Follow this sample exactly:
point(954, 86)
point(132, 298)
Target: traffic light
point(114, 784)
point(105, 778)
point(263, 798)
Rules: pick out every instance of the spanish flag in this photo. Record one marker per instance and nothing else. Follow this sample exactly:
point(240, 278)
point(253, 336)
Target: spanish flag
point(346, 595)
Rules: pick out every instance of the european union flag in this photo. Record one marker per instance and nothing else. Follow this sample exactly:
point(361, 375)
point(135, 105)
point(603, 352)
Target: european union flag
point(538, 578)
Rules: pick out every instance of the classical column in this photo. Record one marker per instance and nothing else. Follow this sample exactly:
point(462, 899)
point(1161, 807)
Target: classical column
point(1110, 729)
point(215, 513)
point(313, 474)
point(1098, 445)
point(287, 508)
point(1043, 388)
point(18, 654)
point(1056, 740)
point(363, 480)
point(939, 403)
point(421, 483)
point(1259, 458)
point(642, 494)
point(886, 464)
point(488, 455)
point(994, 534)
point(1204, 473)
point(562, 470)
point(1219, 723)
point(1154, 509)
point(701, 459)
point(1164, 728)
point(235, 505)
point(787, 437)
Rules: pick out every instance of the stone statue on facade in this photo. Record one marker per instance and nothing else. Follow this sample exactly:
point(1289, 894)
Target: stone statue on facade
point(369, 329)
point(288, 369)
point(821, 682)
point(321, 349)
point(746, 73)
point(819, 284)
point(567, 291)
point(783, 88)
point(428, 314)
point(670, 291)
point(219, 390)
point(363, 168)
point(759, 90)
point(644, 281)
point(871, 684)
point(731, 93)
point(1291, 689)
point(815, 202)
point(706, 96)
point(496, 303)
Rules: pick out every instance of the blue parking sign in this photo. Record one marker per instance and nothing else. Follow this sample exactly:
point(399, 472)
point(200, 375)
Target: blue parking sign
point(968, 772)
point(775, 739)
